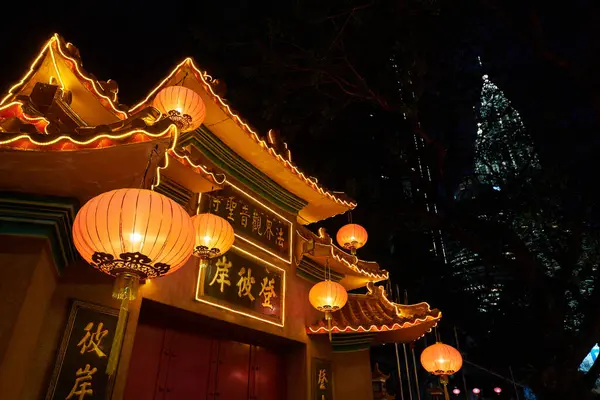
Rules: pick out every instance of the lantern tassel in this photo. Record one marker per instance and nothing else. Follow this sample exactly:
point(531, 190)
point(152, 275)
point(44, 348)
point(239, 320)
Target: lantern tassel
point(125, 289)
point(202, 272)
point(115, 351)
point(328, 318)
point(444, 381)
point(446, 392)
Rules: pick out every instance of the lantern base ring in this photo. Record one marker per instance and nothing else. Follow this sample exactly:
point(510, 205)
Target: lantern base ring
point(183, 121)
point(129, 263)
point(204, 252)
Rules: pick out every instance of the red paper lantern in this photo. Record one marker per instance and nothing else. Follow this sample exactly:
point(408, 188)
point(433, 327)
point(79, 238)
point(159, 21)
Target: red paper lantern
point(214, 236)
point(182, 105)
point(456, 391)
point(441, 359)
point(132, 234)
point(498, 390)
point(476, 390)
point(352, 237)
point(328, 297)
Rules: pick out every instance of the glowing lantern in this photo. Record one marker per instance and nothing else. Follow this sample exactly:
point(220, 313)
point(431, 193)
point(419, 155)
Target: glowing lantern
point(476, 390)
point(352, 237)
point(498, 390)
point(183, 106)
point(214, 236)
point(328, 297)
point(132, 234)
point(442, 360)
point(456, 391)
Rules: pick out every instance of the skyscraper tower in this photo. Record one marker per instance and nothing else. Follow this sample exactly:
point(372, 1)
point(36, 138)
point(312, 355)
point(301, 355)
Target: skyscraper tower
point(503, 151)
point(503, 148)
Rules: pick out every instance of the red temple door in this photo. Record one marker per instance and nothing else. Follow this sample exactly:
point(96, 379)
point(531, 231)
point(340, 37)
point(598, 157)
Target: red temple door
point(142, 382)
point(168, 364)
point(233, 367)
point(187, 374)
point(267, 375)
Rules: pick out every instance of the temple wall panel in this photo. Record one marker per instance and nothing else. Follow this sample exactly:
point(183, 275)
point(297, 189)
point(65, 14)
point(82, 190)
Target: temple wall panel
point(352, 375)
point(28, 283)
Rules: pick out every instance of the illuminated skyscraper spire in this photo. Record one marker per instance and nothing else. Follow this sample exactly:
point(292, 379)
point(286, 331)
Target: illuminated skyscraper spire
point(503, 148)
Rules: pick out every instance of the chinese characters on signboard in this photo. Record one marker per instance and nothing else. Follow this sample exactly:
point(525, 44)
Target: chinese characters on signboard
point(251, 221)
point(79, 373)
point(322, 379)
point(244, 283)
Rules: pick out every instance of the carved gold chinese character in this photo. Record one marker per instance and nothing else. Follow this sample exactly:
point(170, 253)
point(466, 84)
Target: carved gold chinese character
point(92, 341)
point(222, 273)
point(245, 283)
point(82, 386)
point(268, 230)
point(245, 214)
point(268, 291)
point(280, 240)
point(230, 206)
point(256, 222)
point(323, 379)
point(215, 204)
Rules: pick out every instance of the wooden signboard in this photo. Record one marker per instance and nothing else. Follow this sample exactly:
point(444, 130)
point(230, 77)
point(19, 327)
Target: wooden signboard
point(252, 221)
point(80, 369)
point(322, 375)
point(243, 283)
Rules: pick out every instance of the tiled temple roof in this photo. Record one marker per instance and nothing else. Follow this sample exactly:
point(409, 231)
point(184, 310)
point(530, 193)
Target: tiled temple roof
point(374, 313)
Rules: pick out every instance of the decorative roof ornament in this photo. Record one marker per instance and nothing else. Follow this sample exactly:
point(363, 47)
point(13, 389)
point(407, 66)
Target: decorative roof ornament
point(182, 105)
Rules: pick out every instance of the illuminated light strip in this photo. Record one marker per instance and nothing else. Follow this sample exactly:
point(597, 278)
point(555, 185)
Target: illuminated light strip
point(374, 328)
point(31, 71)
point(170, 128)
point(20, 113)
point(225, 180)
point(397, 306)
point(287, 162)
point(55, 38)
point(62, 84)
point(121, 114)
point(281, 325)
point(354, 267)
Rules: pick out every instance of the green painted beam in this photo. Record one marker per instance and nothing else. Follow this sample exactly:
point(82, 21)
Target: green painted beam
point(313, 272)
point(347, 342)
point(48, 217)
point(233, 165)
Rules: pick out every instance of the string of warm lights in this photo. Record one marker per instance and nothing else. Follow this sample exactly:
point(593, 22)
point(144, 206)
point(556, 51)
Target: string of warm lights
point(205, 79)
point(256, 317)
point(398, 307)
point(373, 328)
point(15, 108)
point(55, 43)
point(170, 130)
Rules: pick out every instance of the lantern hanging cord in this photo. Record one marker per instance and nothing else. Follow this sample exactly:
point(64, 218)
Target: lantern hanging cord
point(150, 156)
point(179, 82)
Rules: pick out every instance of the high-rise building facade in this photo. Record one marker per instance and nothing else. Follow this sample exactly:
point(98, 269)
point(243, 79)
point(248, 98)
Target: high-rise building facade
point(503, 150)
